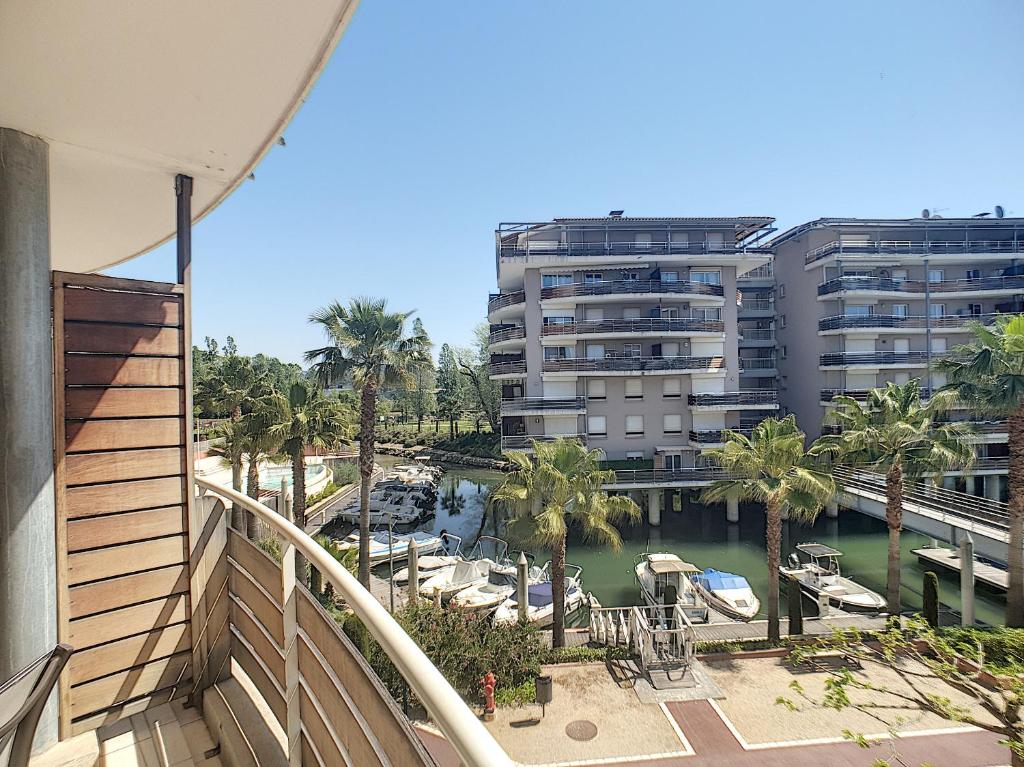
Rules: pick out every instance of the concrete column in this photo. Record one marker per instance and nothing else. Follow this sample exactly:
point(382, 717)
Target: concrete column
point(949, 483)
point(732, 510)
point(654, 507)
point(28, 598)
point(832, 510)
point(992, 487)
point(969, 485)
point(967, 581)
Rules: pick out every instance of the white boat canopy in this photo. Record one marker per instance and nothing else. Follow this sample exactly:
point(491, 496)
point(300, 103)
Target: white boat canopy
point(818, 550)
point(665, 566)
point(128, 94)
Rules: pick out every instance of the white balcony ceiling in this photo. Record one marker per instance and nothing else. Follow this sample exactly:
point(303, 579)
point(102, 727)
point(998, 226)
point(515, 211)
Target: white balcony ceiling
point(130, 93)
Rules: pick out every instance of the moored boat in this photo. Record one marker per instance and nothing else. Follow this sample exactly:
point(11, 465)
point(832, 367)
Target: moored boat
point(499, 585)
point(727, 593)
point(818, 573)
point(431, 564)
point(382, 549)
point(664, 580)
point(540, 610)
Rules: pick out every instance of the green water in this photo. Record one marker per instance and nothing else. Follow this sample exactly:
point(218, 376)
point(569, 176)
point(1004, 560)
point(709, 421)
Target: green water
point(702, 536)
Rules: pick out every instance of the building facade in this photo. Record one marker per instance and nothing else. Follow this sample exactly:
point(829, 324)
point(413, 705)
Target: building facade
point(624, 332)
point(860, 302)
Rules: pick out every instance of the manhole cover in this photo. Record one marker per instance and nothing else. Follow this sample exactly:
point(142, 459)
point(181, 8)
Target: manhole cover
point(581, 729)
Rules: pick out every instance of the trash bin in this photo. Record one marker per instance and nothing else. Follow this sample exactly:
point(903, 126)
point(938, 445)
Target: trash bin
point(543, 691)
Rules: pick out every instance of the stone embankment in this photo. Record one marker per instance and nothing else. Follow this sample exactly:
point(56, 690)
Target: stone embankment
point(443, 456)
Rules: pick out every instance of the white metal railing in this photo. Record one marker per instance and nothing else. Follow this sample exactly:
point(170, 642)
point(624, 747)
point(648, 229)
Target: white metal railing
point(470, 739)
point(662, 635)
point(909, 247)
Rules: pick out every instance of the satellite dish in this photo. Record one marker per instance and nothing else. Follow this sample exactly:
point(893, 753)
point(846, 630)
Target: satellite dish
point(926, 213)
point(999, 211)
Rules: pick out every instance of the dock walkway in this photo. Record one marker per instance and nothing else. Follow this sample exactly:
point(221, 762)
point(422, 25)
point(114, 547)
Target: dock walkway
point(949, 559)
point(734, 631)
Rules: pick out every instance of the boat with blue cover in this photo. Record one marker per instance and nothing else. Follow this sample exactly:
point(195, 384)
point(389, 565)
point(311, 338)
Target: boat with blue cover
point(727, 593)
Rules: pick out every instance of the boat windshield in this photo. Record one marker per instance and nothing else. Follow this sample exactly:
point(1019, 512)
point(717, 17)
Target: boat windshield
point(498, 577)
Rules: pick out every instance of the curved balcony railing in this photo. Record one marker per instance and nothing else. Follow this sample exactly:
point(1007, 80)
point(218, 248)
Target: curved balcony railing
point(845, 321)
point(541, 404)
point(629, 364)
point(525, 441)
point(834, 359)
point(714, 436)
point(507, 368)
point(909, 248)
point(697, 474)
point(888, 285)
point(471, 740)
point(543, 248)
point(501, 300)
point(737, 398)
point(642, 325)
point(632, 287)
point(506, 334)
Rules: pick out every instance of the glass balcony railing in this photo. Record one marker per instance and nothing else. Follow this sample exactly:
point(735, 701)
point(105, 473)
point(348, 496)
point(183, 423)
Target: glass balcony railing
point(713, 436)
point(910, 248)
point(737, 398)
point(642, 325)
point(632, 287)
point(525, 441)
point(888, 285)
point(847, 321)
point(547, 248)
point(630, 364)
point(839, 359)
point(529, 405)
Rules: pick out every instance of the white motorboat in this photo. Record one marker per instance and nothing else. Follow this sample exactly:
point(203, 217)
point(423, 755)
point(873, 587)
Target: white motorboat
point(540, 609)
point(498, 586)
point(396, 514)
point(728, 593)
point(664, 580)
point(432, 564)
point(382, 549)
point(818, 573)
point(473, 571)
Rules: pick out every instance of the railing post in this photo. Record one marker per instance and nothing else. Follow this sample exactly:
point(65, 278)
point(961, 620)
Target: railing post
point(293, 723)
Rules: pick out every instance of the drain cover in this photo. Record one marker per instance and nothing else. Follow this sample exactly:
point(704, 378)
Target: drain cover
point(581, 729)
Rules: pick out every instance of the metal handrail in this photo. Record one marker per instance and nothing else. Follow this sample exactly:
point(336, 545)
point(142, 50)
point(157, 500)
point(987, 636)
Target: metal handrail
point(542, 248)
point(909, 247)
point(471, 740)
point(841, 321)
point(519, 441)
point(614, 287)
point(640, 364)
point(689, 474)
point(501, 300)
point(749, 397)
point(714, 436)
point(519, 404)
point(763, 272)
point(878, 358)
point(639, 325)
point(757, 363)
point(755, 304)
point(889, 285)
point(757, 334)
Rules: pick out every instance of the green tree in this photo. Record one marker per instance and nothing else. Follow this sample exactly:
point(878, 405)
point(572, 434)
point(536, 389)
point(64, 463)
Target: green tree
point(988, 375)
point(230, 444)
point(561, 486)
point(771, 467)
point(893, 432)
point(420, 392)
point(230, 382)
point(369, 346)
point(473, 364)
point(451, 399)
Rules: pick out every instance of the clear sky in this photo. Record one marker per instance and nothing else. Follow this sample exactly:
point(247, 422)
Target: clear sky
point(436, 120)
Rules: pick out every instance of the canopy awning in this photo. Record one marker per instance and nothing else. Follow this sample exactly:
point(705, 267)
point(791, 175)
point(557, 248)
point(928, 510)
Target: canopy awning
point(129, 94)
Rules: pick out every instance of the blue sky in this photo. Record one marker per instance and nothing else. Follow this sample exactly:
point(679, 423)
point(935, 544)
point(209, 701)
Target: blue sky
point(435, 121)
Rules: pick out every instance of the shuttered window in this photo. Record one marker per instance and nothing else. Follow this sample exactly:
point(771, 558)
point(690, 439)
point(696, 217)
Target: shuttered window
point(673, 423)
point(634, 388)
point(672, 388)
point(634, 424)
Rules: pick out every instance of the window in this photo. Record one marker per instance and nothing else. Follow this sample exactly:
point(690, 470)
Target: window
point(670, 349)
point(671, 388)
point(642, 240)
point(595, 388)
point(673, 461)
point(673, 423)
point(554, 280)
point(782, 351)
point(634, 425)
point(859, 310)
point(634, 388)
point(706, 277)
point(634, 455)
point(595, 351)
point(596, 426)
point(631, 313)
point(899, 310)
point(680, 240)
point(591, 277)
point(631, 350)
point(782, 320)
point(559, 320)
point(974, 309)
point(593, 313)
point(559, 352)
point(670, 276)
point(936, 310)
point(670, 312)
point(630, 276)
point(974, 274)
point(782, 291)
point(936, 275)
point(899, 275)
point(706, 313)
point(716, 241)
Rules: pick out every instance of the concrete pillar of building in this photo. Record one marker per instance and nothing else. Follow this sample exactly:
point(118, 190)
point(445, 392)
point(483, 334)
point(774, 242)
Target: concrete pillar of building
point(832, 509)
point(969, 485)
point(967, 581)
point(28, 591)
point(682, 501)
point(732, 510)
point(668, 501)
point(992, 487)
point(654, 507)
point(949, 483)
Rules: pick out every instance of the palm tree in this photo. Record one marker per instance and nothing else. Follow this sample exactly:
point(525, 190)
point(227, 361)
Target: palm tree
point(370, 347)
point(772, 467)
point(302, 417)
point(894, 432)
point(561, 485)
point(988, 375)
point(232, 384)
point(229, 443)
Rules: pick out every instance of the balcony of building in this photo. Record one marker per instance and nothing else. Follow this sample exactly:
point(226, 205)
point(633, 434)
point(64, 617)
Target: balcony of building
point(503, 306)
point(761, 277)
point(506, 366)
point(645, 327)
point(878, 359)
point(708, 438)
point(615, 366)
point(524, 442)
point(639, 479)
point(753, 338)
point(521, 406)
point(882, 287)
point(758, 306)
point(910, 250)
point(901, 323)
point(599, 291)
point(752, 399)
point(827, 397)
point(760, 367)
point(504, 337)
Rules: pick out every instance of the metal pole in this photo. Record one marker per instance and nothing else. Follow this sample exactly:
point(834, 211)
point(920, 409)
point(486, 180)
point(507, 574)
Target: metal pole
point(967, 580)
point(183, 240)
point(414, 571)
point(391, 561)
point(522, 586)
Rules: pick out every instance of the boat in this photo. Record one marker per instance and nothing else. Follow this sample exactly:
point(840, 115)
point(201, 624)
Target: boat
point(499, 585)
point(727, 593)
point(382, 549)
point(540, 608)
point(472, 571)
point(396, 514)
point(818, 573)
point(664, 580)
point(431, 564)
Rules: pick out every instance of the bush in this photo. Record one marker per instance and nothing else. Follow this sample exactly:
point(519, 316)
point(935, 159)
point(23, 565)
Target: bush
point(523, 695)
point(482, 445)
point(584, 654)
point(714, 648)
point(1002, 649)
point(930, 610)
point(329, 489)
point(346, 473)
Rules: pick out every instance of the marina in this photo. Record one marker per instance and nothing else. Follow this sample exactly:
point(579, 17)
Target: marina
point(949, 559)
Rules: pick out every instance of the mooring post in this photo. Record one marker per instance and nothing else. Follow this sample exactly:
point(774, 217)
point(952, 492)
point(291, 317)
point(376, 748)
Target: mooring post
point(967, 580)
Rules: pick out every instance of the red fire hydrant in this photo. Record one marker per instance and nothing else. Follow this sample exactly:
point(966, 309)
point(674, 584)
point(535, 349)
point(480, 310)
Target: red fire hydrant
point(488, 683)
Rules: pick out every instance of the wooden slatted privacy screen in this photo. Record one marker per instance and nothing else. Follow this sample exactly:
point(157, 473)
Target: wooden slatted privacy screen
point(122, 479)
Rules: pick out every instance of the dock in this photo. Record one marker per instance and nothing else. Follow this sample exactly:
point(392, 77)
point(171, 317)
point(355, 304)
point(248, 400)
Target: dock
point(735, 631)
point(949, 559)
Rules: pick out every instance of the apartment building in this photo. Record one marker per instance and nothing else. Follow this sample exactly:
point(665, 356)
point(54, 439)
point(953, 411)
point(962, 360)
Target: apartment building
point(859, 302)
point(624, 332)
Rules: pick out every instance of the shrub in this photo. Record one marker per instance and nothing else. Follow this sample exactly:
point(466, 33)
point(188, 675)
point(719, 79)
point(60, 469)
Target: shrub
point(346, 473)
point(584, 654)
point(329, 489)
point(522, 695)
point(930, 611)
point(716, 647)
point(1001, 649)
point(271, 545)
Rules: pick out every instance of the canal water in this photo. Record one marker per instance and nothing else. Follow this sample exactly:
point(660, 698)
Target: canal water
point(702, 536)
